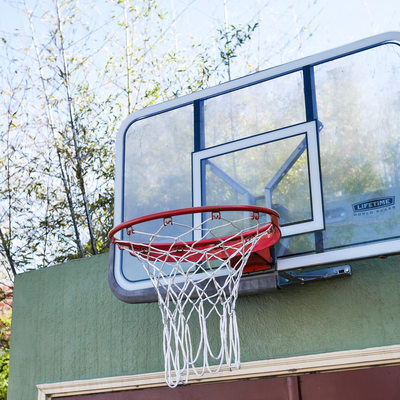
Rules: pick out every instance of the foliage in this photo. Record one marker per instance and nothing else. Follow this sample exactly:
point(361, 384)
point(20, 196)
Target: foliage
point(230, 40)
point(5, 326)
point(69, 81)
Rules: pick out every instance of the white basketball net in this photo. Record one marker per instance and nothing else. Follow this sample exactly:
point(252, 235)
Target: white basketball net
point(193, 293)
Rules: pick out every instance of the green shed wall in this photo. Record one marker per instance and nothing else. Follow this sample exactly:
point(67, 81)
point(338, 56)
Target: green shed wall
point(67, 325)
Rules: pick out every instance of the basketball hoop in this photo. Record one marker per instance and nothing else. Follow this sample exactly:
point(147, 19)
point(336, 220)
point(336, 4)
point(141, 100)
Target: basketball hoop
point(195, 269)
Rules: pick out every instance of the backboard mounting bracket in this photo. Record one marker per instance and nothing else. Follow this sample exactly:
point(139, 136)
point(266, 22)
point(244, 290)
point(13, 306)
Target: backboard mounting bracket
point(288, 278)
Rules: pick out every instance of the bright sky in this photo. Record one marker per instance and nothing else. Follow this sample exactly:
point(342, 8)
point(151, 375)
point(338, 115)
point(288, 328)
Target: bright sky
point(288, 29)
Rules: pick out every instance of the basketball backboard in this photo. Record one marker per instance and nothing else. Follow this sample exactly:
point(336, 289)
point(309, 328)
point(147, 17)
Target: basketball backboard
point(317, 139)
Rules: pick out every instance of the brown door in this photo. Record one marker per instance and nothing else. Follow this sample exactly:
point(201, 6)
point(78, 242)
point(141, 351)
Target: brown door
point(381, 383)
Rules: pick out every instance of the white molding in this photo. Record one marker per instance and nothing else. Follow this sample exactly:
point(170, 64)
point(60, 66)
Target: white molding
point(339, 360)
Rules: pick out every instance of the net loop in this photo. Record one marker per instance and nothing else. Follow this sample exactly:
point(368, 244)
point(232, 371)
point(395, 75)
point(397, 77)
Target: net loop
point(167, 221)
point(216, 215)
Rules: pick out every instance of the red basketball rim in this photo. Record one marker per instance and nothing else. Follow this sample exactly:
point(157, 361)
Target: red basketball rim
point(206, 243)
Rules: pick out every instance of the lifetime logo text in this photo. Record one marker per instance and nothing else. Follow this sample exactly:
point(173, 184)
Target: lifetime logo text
point(374, 204)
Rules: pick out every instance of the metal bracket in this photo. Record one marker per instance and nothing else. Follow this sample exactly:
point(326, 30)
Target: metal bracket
point(287, 278)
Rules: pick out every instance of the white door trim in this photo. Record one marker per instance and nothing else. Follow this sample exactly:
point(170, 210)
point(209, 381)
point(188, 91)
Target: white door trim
point(333, 361)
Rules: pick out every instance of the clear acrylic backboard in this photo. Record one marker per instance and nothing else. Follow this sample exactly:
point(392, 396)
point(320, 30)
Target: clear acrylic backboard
point(317, 139)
